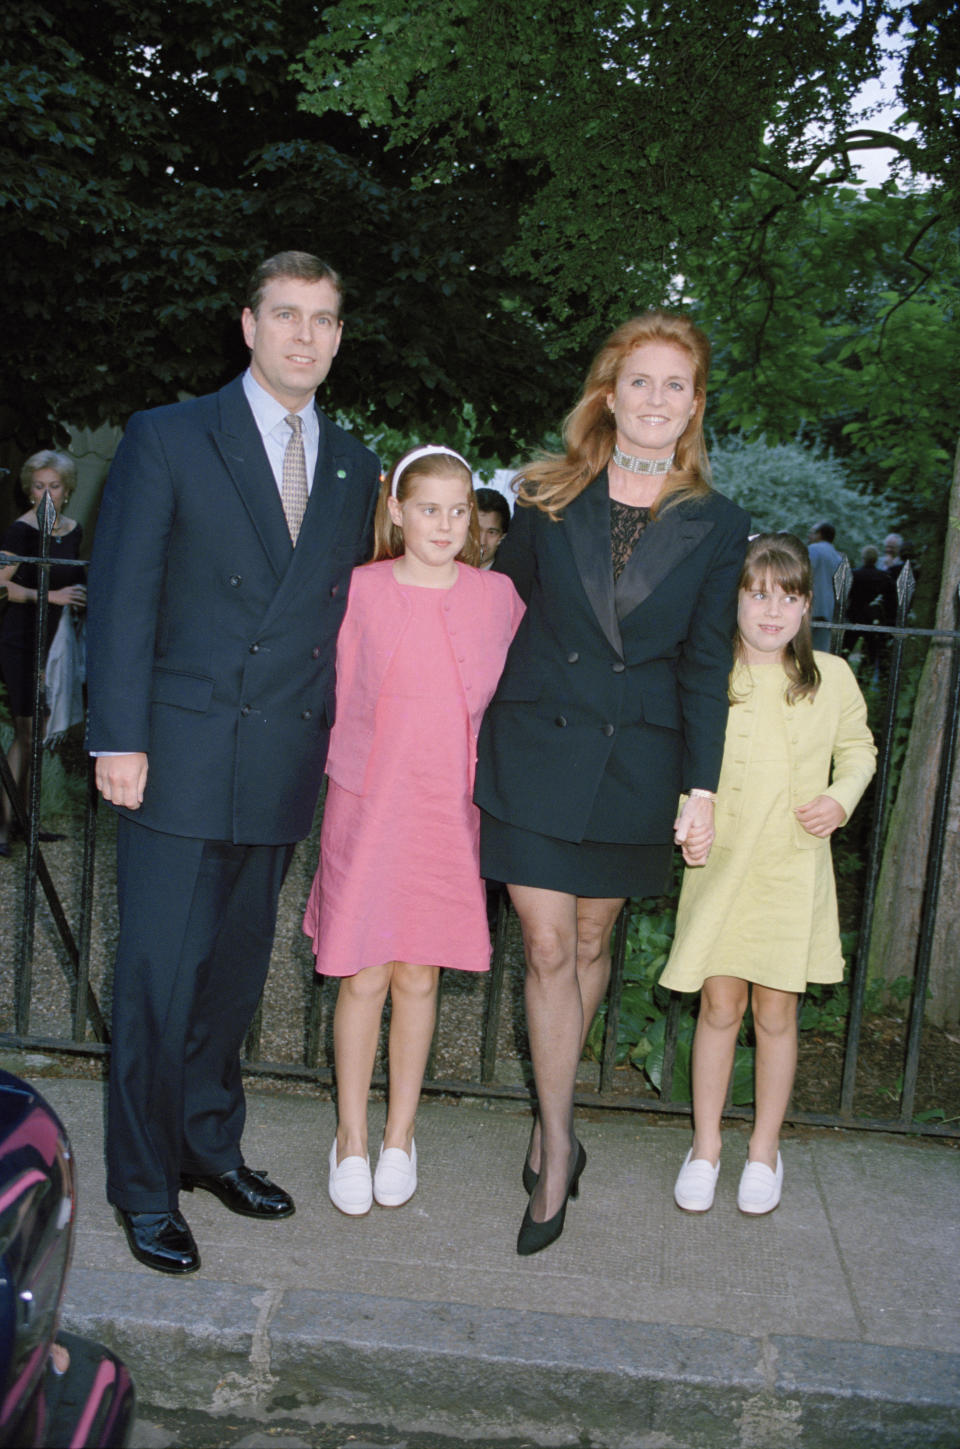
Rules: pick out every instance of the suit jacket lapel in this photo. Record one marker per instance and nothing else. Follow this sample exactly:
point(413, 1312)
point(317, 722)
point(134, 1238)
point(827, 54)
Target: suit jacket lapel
point(587, 521)
point(661, 547)
point(241, 448)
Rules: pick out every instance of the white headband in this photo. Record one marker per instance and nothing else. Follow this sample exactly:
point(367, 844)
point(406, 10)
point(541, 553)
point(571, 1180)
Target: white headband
point(427, 451)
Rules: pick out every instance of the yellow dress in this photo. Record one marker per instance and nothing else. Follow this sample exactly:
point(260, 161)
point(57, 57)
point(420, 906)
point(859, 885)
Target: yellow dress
point(764, 907)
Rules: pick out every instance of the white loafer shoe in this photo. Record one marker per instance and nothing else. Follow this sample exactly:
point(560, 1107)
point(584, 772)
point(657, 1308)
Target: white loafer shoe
point(349, 1184)
point(696, 1184)
point(760, 1189)
point(395, 1180)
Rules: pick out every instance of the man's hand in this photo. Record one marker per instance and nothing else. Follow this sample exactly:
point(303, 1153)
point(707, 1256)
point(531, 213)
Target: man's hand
point(122, 779)
point(820, 816)
point(693, 829)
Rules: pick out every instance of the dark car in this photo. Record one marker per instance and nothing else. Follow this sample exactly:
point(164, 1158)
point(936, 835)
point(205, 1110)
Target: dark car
point(57, 1389)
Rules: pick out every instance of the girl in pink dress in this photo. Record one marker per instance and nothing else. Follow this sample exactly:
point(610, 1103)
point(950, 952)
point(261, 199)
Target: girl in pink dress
point(398, 892)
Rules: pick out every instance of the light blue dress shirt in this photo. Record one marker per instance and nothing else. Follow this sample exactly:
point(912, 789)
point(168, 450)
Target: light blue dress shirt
point(269, 416)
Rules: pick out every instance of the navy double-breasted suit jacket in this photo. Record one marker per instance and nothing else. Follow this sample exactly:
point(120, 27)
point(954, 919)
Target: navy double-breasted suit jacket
point(212, 641)
point(614, 696)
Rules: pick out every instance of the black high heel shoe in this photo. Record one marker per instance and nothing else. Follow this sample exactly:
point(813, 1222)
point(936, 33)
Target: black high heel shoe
point(530, 1177)
point(534, 1236)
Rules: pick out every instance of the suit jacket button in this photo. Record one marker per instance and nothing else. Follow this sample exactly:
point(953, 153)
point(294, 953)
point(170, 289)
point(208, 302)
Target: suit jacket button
point(334, 591)
point(572, 657)
point(560, 722)
point(307, 714)
point(235, 581)
point(254, 648)
point(618, 668)
point(245, 710)
point(315, 652)
point(608, 730)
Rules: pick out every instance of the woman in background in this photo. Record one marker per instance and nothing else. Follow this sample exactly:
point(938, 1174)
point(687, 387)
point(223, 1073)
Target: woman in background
point(43, 472)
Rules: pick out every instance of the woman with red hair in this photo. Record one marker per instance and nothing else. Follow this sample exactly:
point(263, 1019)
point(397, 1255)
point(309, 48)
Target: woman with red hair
point(613, 699)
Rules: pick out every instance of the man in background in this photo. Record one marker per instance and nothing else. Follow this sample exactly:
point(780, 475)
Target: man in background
point(825, 560)
point(872, 600)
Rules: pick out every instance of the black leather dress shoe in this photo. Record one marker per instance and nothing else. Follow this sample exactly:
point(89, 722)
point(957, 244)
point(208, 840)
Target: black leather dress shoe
point(244, 1191)
point(160, 1240)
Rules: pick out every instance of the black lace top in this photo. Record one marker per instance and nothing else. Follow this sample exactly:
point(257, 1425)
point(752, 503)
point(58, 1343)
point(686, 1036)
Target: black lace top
point(626, 525)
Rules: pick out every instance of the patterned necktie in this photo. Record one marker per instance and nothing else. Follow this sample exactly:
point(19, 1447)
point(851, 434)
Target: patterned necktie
point(293, 490)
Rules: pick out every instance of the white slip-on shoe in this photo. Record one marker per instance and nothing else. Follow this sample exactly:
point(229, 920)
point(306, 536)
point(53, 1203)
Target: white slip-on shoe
point(395, 1180)
point(760, 1189)
point(696, 1184)
point(349, 1184)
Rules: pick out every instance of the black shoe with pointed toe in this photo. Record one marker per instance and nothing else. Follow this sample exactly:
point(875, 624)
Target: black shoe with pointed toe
point(530, 1175)
point(533, 1236)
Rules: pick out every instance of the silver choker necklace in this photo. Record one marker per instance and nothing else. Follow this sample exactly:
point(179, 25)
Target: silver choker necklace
point(631, 464)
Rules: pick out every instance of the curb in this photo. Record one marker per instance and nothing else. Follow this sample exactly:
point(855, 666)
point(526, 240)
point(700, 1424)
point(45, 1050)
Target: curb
point(486, 1374)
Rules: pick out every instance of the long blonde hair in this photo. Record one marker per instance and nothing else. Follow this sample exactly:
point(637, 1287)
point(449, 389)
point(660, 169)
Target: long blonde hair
point(388, 537)
point(553, 480)
point(782, 559)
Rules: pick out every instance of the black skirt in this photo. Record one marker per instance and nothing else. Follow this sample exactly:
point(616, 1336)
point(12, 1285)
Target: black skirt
point(578, 868)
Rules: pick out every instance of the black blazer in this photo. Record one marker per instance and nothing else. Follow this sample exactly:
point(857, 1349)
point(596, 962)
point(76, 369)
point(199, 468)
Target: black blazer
point(211, 640)
point(613, 698)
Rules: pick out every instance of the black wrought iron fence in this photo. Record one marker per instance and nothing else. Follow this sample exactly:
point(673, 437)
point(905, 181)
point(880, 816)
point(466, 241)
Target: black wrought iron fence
point(605, 1084)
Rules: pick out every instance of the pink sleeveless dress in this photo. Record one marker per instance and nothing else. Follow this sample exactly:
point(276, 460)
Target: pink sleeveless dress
point(399, 875)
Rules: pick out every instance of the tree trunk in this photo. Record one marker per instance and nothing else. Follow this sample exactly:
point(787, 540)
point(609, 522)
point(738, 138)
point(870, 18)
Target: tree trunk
point(896, 925)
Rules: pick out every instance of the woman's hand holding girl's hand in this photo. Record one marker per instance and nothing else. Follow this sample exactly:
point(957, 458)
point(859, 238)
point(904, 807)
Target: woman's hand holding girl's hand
point(821, 816)
point(693, 829)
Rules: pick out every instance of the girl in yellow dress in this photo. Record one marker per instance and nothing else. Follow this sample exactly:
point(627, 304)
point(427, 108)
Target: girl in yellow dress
point(760, 912)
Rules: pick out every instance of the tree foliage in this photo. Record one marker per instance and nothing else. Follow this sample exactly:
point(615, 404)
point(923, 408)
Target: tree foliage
point(789, 486)
point(637, 124)
point(499, 183)
point(152, 153)
point(702, 154)
point(835, 319)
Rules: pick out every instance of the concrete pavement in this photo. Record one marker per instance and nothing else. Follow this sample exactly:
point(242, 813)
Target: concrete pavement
point(833, 1322)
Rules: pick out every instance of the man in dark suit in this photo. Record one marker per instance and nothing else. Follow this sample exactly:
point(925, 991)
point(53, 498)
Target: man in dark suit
point(872, 600)
point(228, 530)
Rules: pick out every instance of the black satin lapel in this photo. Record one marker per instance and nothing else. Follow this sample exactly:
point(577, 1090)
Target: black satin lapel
point(661, 547)
point(587, 521)
point(245, 459)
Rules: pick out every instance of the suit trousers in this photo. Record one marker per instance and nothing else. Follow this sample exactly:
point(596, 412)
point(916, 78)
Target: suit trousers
point(197, 920)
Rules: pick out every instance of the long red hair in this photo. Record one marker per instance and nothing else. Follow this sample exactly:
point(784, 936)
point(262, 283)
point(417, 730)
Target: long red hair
point(589, 431)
